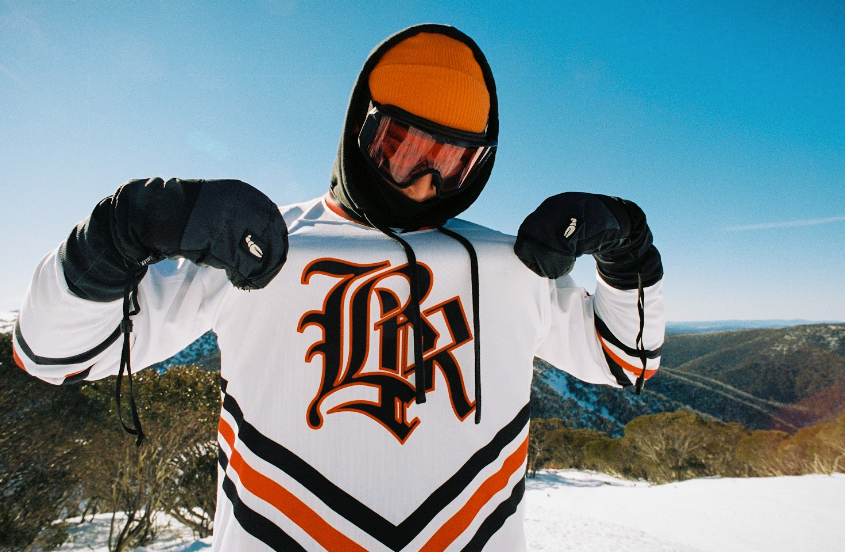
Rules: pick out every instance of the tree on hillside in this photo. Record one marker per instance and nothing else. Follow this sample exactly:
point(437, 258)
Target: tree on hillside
point(668, 442)
point(762, 453)
point(567, 446)
point(682, 445)
point(62, 450)
point(820, 448)
point(539, 446)
point(194, 491)
point(41, 436)
point(613, 457)
point(179, 411)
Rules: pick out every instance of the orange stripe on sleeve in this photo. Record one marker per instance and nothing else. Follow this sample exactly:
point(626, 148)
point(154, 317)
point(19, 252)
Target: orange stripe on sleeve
point(286, 502)
point(629, 367)
point(458, 523)
point(75, 373)
point(18, 360)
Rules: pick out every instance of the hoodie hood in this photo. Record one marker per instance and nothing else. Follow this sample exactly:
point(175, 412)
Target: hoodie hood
point(357, 188)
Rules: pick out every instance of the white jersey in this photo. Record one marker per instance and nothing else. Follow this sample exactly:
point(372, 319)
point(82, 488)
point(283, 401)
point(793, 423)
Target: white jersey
point(322, 445)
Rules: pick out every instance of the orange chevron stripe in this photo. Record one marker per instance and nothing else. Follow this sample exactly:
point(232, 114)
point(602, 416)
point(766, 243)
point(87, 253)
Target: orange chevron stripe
point(284, 501)
point(629, 367)
point(458, 523)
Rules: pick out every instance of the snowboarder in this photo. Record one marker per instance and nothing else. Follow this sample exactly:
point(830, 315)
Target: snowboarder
point(354, 372)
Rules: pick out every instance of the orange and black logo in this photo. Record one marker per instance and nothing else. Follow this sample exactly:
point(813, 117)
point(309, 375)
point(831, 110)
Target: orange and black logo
point(365, 343)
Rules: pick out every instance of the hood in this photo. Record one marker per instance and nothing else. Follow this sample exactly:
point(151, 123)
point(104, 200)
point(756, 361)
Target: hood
point(356, 187)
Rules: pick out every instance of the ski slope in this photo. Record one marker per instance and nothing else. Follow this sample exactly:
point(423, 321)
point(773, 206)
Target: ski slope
point(581, 511)
point(585, 511)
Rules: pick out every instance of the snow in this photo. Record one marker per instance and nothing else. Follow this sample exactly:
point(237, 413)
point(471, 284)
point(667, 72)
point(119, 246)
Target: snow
point(582, 511)
point(93, 536)
point(587, 511)
point(7, 321)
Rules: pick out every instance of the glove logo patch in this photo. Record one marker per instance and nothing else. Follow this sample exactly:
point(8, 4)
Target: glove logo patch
point(253, 248)
point(573, 223)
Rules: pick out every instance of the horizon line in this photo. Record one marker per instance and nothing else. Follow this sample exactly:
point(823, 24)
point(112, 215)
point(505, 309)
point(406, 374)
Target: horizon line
point(786, 224)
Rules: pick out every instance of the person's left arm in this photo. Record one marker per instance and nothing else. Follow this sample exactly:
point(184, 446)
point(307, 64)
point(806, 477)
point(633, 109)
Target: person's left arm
point(614, 337)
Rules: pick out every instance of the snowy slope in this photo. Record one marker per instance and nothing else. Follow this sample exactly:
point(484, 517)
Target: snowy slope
point(556, 394)
point(586, 511)
point(7, 321)
point(580, 512)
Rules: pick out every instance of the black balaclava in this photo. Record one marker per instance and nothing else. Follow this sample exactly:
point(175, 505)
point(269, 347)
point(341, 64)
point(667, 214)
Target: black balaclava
point(356, 186)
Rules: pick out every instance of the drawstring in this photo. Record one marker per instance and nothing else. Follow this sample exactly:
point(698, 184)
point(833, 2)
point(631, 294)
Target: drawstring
point(422, 377)
point(416, 319)
point(476, 320)
point(638, 387)
point(130, 297)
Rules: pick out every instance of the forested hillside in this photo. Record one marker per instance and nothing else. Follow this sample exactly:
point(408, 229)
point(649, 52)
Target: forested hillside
point(63, 454)
point(765, 379)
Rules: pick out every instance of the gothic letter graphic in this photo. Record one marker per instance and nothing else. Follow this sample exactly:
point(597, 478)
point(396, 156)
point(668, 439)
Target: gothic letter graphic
point(352, 335)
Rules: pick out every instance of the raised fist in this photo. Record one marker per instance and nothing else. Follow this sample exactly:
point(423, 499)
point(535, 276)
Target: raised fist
point(225, 224)
point(572, 224)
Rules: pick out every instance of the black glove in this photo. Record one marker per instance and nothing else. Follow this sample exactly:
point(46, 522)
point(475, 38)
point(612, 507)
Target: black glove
point(572, 224)
point(224, 224)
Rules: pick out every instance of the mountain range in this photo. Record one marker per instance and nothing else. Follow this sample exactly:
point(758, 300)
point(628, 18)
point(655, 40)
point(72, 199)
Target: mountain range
point(783, 378)
point(726, 325)
point(766, 378)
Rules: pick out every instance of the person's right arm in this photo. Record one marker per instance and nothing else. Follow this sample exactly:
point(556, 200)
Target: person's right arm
point(69, 324)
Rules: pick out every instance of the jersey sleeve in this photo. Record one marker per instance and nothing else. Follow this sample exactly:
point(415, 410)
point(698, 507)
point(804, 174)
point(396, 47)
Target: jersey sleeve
point(594, 337)
point(61, 338)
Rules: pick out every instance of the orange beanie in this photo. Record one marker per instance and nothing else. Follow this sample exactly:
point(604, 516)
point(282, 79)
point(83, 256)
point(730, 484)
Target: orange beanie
point(434, 77)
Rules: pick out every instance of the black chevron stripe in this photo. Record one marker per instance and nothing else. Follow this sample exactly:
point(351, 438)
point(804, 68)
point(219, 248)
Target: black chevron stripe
point(495, 520)
point(394, 537)
point(269, 533)
point(254, 523)
point(456, 484)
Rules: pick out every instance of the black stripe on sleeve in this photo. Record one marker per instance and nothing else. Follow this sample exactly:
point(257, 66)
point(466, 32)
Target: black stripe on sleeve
point(608, 336)
point(76, 378)
point(222, 459)
point(75, 359)
point(617, 371)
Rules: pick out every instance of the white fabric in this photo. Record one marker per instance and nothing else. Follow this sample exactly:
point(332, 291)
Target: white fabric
point(276, 345)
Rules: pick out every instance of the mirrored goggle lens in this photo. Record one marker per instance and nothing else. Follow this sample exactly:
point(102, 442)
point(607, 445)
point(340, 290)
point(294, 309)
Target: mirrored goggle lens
point(402, 153)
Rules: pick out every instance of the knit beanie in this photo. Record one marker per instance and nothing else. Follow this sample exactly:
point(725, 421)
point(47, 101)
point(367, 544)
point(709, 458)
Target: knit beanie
point(434, 77)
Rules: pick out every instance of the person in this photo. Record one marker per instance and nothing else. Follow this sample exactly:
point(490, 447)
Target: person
point(353, 372)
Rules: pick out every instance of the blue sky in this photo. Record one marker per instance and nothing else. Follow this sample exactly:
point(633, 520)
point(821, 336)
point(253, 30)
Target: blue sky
point(724, 120)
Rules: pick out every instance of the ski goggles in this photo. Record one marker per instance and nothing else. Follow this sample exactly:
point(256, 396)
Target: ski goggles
point(402, 147)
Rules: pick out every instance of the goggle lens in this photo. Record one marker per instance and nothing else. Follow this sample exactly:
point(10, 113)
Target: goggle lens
point(402, 153)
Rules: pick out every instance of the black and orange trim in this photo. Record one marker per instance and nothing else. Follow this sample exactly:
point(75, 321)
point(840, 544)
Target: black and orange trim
point(87, 356)
point(394, 537)
point(619, 366)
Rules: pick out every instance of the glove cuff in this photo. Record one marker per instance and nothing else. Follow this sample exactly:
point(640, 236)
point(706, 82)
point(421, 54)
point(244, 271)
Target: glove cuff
point(626, 263)
point(92, 266)
point(634, 263)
